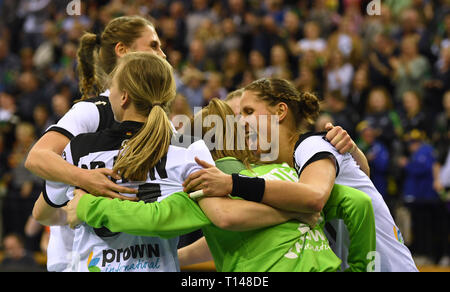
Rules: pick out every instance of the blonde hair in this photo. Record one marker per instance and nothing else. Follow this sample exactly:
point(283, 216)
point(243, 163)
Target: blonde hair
point(220, 108)
point(148, 80)
point(97, 56)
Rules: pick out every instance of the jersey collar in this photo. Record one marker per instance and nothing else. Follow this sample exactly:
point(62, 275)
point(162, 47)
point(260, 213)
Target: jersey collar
point(127, 128)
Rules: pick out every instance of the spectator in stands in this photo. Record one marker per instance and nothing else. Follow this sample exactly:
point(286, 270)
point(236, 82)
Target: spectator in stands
point(441, 129)
point(17, 259)
point(198, 58)
point(379, 67)
point(412, 115)
point(34, 13)
point(291, 31)
point(410, 69)
point(24, 187)
point(280, 66)
point(197, 15)
point(211, 35)
point(347, 42)
point(378, 156)
point(8, 107)
point(339, 73)
point(177, 12)
point(214, 86)
point(420, 196)
point(307, 81)
point(336, 105)
point(359, 92)
point(441, 171)
point(231, 39)
point(312, 40)
point(9, 65)
point(60, 106)
point(379, 113)
point(439, 84)
point(30, 95)
point(257, 64)
point(233, 69)
point(42, 119)
point(192, 87)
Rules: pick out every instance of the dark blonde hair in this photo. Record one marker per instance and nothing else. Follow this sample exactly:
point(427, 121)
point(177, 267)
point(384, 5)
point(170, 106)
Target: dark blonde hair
point(221, 109)
point(97, 56)
point(305, 106)
point(148, 80)
point(234, 94)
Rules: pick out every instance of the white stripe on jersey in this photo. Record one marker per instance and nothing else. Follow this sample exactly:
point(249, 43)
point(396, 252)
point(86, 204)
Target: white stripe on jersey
point(394, 255)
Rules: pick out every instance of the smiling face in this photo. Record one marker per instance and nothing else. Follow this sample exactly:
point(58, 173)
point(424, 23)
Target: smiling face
point(256, 117)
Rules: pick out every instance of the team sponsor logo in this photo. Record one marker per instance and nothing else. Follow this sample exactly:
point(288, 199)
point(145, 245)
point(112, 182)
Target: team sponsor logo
point(310, 239)
point(398, 235)
point(142, 257)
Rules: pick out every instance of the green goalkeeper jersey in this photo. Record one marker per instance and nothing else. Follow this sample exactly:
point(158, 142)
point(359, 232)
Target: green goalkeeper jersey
point(291, 246)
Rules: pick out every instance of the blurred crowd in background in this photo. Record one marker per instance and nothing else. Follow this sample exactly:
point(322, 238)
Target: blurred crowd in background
point(385, 78)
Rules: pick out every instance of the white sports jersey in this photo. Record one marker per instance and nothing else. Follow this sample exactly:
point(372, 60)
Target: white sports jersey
point(101, 250)
point(392, 253)
point(88, 116)
point(59, 250)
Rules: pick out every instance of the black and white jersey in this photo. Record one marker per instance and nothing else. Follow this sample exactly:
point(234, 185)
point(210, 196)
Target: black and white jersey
point(100, 150)
point(393, 255)
point(88, 116)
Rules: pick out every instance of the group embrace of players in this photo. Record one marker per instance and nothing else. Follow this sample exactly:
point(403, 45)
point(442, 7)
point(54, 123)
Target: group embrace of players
point(313, 208)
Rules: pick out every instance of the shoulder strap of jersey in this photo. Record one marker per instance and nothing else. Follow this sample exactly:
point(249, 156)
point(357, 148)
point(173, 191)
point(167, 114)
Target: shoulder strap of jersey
point(105, 111)
point(302, 138)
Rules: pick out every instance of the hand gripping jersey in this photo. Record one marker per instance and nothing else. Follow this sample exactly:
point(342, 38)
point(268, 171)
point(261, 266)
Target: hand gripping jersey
point(102, 250)
point(290, 246)
point(391, 253)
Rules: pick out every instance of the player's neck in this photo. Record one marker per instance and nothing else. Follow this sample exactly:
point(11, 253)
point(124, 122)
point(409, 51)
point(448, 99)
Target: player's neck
point(131, 115)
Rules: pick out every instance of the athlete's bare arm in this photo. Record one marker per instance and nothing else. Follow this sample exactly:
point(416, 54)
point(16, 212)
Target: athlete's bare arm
point(45, 160)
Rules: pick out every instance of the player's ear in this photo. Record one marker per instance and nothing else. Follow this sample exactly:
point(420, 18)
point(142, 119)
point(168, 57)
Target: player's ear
point(121, 49)
point(282, 111)
point(125, 99)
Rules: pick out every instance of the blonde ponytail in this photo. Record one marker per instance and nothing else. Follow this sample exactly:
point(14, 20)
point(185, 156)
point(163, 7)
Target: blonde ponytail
point(150, 84)
point(147, 148)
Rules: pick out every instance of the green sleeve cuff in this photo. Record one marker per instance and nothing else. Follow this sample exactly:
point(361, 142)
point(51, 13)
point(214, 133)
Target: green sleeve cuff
point(84, 204)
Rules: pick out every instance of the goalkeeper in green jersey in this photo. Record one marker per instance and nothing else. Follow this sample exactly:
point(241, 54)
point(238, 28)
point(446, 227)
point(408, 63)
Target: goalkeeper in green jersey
point(289, 246)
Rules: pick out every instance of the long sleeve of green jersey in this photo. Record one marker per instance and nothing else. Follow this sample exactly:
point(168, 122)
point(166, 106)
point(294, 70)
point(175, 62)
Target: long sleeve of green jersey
point(174, 216)
point(355, 208)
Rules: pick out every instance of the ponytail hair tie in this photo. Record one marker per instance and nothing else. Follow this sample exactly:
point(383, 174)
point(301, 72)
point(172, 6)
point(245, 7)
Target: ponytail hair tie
point(98, 40)
point(157, 104)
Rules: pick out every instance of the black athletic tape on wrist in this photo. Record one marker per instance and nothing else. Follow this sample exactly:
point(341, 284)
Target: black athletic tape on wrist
point(248, 188)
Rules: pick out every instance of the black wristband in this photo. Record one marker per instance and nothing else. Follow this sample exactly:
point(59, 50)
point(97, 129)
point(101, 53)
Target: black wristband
point(248, 188)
